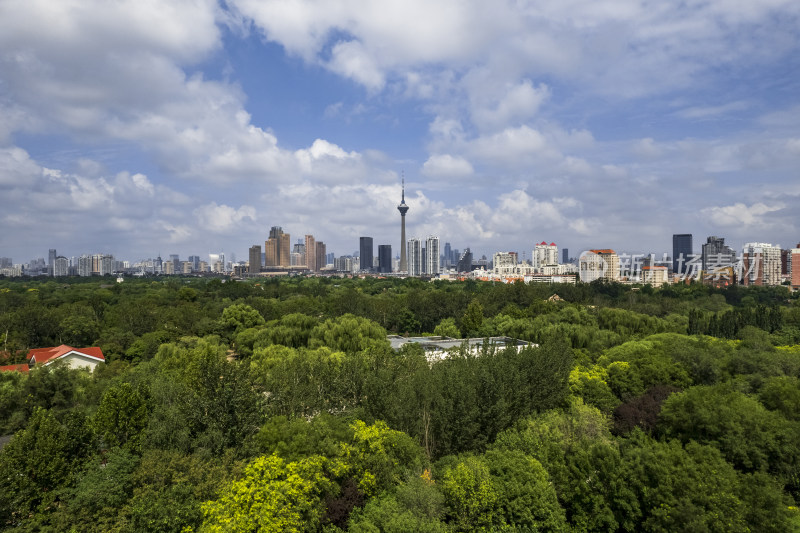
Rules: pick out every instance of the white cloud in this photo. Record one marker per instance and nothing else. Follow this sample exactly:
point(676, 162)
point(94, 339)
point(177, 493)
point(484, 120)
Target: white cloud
point(742, 216)
point(223, 218)
point(447, 166)
point(352, 61)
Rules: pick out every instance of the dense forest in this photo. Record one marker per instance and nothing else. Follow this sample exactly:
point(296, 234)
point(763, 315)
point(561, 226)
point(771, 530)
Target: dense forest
point(279, 405)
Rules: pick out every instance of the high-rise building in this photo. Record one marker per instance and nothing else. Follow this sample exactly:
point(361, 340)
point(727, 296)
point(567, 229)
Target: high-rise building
point(715, 254)
point(599, 264)
point(254, 266)
point(365, 250)
point(403, 208)
point(448, 256)
point(414, 256)
point(195, 261)
point(51, 262)
point(682, 252)
point(322, 256)
point(465, 261)
point(565, 255)
point(761, 264)
point(794, 267)
point(61, 266)
point(311, 253)
point(85, 265)
point(432, 265)
point(384, 258)
point(278, 248)
point(544, 254)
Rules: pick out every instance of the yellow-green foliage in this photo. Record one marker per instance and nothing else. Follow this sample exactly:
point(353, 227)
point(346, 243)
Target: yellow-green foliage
point(273, 495)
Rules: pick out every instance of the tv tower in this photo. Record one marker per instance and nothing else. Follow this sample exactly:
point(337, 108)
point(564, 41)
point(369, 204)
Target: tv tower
point(403, 208)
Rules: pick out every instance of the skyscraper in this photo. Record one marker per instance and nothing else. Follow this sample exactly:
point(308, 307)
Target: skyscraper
point(255, 259)
point(448, 255)
point(717, 254)
point(432, 265)
point(565, 255)
point(278, 248)
point(384, 258)
point(403, 208)
point(322, 256)
point(414, 257)
point(311, 253)
point(681, 252)
point(366, 250)
point(51, 262)
point(465, 261)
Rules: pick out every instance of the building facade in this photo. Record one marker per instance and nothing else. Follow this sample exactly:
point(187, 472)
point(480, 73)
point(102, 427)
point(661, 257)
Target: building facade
point(761, 264)
point(366, 251)
point(682, 251)
point(414, 257)
point(599, 264)
point(385, 258)
point(254, 266)
point(432, 259)
point(544, 254)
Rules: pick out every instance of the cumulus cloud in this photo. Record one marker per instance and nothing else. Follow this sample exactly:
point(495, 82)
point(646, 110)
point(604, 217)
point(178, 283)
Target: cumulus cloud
point(223, 218)
point(447, 166)
point(740, 215)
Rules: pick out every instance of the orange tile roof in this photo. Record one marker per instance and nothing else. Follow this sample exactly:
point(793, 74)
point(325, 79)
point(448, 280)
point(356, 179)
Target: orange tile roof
point(43, 356)
point(14, 368)
point(604, 251)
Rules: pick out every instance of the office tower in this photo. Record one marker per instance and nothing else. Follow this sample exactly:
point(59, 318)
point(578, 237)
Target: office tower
point(448, 255)
point(329, 257)
point(414, 256)
point(176, 263)
point(385, 258)
point(278, 248)
point(717, 254)
point(365, 251)
point(311, 253)
point(321, 256)
point(761, 264)
point(255, 259)
point(599, 264)
point(465, 261)
point(51, 262)
point(794, 267)
point(5, 262)
point(565, 255)
point(195, 261)
point(682, 251)
point(544, 254)
point(403, 208)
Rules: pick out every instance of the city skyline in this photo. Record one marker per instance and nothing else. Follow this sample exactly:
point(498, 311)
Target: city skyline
point(130, 128)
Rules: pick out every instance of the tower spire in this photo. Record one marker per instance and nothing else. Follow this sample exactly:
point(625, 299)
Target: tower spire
point(403, 208)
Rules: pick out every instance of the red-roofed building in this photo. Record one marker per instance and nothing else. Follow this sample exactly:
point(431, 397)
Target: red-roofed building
point(72, 357)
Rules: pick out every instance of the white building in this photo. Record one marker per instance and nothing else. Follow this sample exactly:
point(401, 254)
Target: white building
point(414, 257)
point(597, 264)
point(544, 254)
point(432, 259)
point(761, 263)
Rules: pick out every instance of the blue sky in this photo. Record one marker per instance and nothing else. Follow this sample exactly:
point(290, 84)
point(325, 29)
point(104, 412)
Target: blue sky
point(145, 127)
